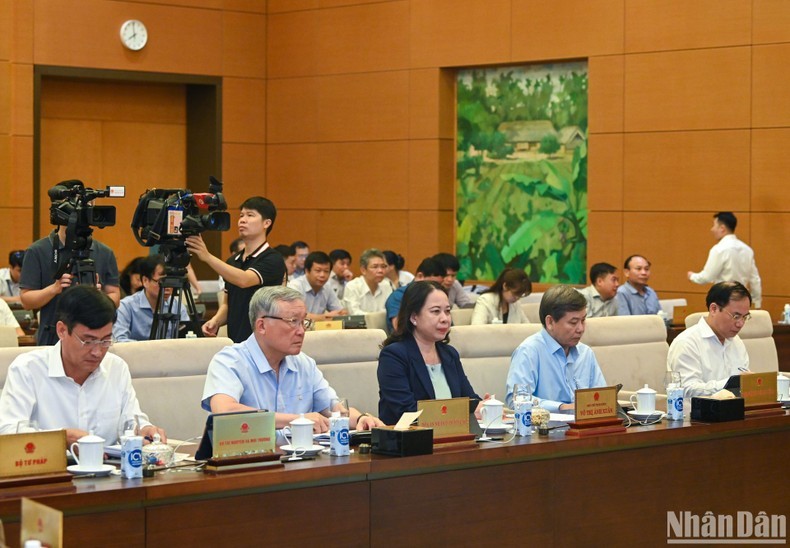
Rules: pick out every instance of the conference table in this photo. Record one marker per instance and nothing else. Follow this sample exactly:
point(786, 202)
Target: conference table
point(608, 490)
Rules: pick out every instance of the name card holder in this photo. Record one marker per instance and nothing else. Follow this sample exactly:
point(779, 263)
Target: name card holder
point(449, 420)
point(596, 413)
point(34, 460)
point(758, 391)
point(327, 325)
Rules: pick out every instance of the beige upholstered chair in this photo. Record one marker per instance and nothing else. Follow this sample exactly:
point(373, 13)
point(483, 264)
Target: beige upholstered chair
point(462, 316)
point(8, 355)
point(757, 336)
point(531, 311)
point(8, 336)
point(376, 320)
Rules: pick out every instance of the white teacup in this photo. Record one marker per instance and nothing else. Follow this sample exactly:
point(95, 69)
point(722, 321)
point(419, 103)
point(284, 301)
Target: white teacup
point(91, 452)
point(783, 387)
point(302, 433)
point(645, 401)
point(491, 412)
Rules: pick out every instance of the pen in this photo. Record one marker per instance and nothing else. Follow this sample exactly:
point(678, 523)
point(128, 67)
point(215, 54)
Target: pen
point(743, 369)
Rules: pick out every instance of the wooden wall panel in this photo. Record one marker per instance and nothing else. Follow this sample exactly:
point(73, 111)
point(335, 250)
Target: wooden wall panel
point(22, 99)
point(770, 166)
point(360, 230)
point(770, 233)
point(244, 45)
point(292, 110)
point(430, 175)
point(292, 172)
point(22, 48)
point(771, 102)
point(364, 38)
point(253, 6)
point(361, 107)
point(695, 89)
point(605, 172)
point(279, 6)
point(243, 110)
point(431, 104)
point(604, 239)
point(243, 172)
point(430, 232)
point(208, 4)
point(657, 25)
point(686, 170)
point(460, 33)
point(605, 94)
point(6, 30)
point(296, 224)
point(181, 40)
point(771, 21)
point(6, 106)
point(22, 171)
point(292, 44)
point(587, 29)
point(20, 219)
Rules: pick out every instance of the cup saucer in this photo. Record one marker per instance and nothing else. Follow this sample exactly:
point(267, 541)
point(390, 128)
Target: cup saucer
point(288, 449)
point(78, 470)
point(655, 416)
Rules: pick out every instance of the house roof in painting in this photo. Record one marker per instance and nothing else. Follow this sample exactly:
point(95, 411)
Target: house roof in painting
point(529, 131)
point(568, 133)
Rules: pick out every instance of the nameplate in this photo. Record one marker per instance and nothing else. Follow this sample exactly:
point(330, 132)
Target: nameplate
point(243, 434)
point(33, 453)
point(446, 417)
point(327, 325)
point(758, 388)
point(40, 522)
point(593, 404)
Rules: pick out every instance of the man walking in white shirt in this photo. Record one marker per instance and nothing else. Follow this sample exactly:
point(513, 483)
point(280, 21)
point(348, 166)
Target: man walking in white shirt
point(730, 260)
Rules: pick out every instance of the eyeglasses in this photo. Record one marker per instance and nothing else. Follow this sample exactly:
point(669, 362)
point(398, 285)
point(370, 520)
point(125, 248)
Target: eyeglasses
point(293, 322)
point(155, 280)
point(100, 343)
point(738, 317)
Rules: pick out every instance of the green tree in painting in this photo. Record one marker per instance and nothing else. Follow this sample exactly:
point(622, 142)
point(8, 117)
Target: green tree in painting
point(522, 206)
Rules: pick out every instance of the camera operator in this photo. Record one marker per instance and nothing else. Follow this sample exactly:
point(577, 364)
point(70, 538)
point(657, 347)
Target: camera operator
point(256, 266)
point(39, 289)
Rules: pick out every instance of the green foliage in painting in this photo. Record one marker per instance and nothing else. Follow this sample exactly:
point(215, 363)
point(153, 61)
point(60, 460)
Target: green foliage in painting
point(522, 173)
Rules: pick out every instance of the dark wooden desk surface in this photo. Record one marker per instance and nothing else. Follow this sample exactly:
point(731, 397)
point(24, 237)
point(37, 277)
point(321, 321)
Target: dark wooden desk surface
point(543, 490)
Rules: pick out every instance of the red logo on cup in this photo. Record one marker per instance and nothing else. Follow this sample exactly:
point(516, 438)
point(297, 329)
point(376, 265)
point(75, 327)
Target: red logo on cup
point(596, 396)
point(759, 381)
point(444, 410)
point(30, 447)
point(245, 428)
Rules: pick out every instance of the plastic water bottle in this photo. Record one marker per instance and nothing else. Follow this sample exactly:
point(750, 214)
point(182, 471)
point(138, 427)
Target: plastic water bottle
point(523, 416)
point(674, 402)
point(338, 435)
point(786, 315)
point(132, 456)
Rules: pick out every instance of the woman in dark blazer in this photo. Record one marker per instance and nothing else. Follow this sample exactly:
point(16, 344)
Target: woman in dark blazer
point(415, 362)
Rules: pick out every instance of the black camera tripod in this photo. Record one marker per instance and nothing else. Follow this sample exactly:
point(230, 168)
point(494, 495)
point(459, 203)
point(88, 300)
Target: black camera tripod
point(77, 257)
point(167, 315)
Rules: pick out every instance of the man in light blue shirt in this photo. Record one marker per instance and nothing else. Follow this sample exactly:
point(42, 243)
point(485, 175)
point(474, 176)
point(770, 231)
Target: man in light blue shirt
point(634, 297)
point(321, 302)
point(269, 371)
point(136, 313)
point(552, 362)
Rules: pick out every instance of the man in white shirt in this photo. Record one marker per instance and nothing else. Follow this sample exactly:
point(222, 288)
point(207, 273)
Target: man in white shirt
point(707, 354)
point(369, 292)
point(321, 302)
point(601, 292)
point(75, 385)
point(9, 277)
point(730, 260)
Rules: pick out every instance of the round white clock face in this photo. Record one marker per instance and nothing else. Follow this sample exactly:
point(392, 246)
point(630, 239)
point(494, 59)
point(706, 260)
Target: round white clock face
point(134, 35)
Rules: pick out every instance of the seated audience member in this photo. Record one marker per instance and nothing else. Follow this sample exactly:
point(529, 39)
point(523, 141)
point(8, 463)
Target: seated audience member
point(635, 297)
point(341, 273)
point(130, 277)
point(707, 354)
point(499, 303)
point(602, 292)
point(7, 318)
point(395, 273)
point(369, 292)
point(553, 362)
point(429, 270)
point(416, 361)
point(76, 384)
point(455, 291)
point(321, 302)
point(269, 371)
point(302, 251)
point(9, 277)
point(289, 256)
point(136, 313)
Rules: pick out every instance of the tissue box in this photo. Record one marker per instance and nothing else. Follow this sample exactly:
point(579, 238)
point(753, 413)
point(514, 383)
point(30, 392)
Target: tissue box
point(712, 410)
point(401, 443)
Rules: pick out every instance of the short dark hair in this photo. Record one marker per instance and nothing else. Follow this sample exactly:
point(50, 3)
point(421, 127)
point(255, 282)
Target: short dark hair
point(413, 300)
point(126, 275)
point(724, 292)
point(285, 250)
point(514, 278)
point(558, 301)
point(316, 257)
point(86, 305)
point(394, 259)
point(147, 266)
point(727, 218)
point(264, 206)
point(431, 267)
point(16, 257)
point(338, 255)
point(299, 244)
point(631, 257)
point(449, 261)
point(601, 270)
point(234, 246)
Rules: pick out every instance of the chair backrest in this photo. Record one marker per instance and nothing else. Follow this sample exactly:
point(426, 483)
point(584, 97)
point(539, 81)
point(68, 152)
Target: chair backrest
point(376, 320)
point(8, 337)
point(531, 311)
point(462, 316)
point(757, 337)
point(8, 355)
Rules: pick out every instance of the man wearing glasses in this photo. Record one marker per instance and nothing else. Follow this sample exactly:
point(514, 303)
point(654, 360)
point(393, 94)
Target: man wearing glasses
point(136, 313)
point(707, 354)
point(75, 385)
point(369, 292)
point(269, 371)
